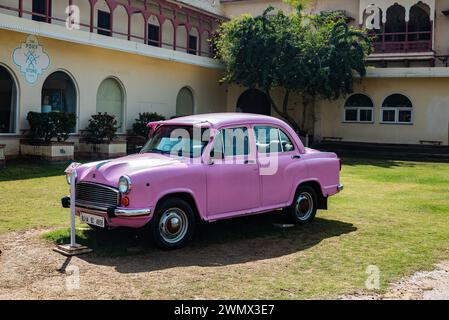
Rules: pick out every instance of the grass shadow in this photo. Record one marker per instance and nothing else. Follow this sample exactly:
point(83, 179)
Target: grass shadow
point(218, 244)
point(22, 169)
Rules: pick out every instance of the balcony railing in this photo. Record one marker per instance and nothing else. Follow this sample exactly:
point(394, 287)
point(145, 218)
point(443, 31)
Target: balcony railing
point(142, 36)
point(403, 42)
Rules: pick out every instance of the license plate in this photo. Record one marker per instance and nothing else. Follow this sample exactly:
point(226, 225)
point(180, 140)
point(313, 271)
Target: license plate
point(92, 219)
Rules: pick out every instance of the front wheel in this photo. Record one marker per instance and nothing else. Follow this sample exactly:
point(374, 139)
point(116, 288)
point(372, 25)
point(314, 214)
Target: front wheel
point(173, 224)
point(304, 206)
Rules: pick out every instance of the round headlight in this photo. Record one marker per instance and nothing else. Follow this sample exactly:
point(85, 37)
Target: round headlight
point(124, 184)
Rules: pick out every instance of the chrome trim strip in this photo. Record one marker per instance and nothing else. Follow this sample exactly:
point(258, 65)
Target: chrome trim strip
point(132, 212)
point(118, 212)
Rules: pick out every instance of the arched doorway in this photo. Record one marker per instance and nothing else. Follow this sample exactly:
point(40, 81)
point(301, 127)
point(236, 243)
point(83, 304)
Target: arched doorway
point(110, 99)
point(59, 94)
point(254, 101)
point(184, 102)
point(8, 102)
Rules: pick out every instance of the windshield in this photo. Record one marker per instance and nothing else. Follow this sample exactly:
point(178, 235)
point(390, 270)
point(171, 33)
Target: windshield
point(186, 141)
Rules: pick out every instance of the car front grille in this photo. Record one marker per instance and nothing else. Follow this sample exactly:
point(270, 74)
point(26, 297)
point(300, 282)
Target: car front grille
point(97, 194)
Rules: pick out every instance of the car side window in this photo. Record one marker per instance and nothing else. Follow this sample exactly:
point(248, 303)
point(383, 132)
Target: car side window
point(267, 139)
point(286, 143)
point(217, 149)
point(235, 141)
point(272, 140)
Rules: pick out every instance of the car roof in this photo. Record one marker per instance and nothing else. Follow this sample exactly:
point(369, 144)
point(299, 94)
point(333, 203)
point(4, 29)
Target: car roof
point(225, 119)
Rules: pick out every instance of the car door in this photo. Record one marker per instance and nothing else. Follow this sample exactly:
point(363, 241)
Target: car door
point(279, 163)
point(233, 183)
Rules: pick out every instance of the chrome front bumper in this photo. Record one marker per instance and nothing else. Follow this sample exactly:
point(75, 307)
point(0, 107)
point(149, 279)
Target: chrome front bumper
point(111, 211)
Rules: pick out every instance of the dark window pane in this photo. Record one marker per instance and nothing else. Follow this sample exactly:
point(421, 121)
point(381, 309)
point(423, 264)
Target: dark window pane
point(104, 22)
point(388, 116)
point(366, 115)
point(351, 115)
point(397, 101)
point(192, 45)
point(358, 100)
point(153, 35)
point(39, 6)
point(405, 116)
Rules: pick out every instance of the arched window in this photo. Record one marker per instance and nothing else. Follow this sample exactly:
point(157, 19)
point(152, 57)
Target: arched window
point(8, 102)
point(154, 32)
point(359, 108)
point(397, 108)
point(102, 18)
point(419, 26)
point(59, 94)
point(110, 99)
point(395, 26)
point(193, 41)
point(184, 102)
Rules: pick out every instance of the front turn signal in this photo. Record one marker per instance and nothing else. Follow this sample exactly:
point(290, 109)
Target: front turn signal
point(125, 201)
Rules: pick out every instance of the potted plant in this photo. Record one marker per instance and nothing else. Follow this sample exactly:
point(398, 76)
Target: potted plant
point(99, 139)
point(139, 133)
point(47, 136)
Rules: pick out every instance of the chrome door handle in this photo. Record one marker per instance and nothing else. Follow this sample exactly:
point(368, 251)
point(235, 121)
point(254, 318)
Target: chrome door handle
point(296, 157)
point(249, 162)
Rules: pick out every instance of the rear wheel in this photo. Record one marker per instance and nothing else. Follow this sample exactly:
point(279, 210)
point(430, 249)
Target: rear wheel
point(173, 224)
point(304, 206)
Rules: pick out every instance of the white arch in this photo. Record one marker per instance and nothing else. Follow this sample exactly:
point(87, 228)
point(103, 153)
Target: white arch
point(167, 34)
point(205, 44)
point(120, 22)
point(137, 27)
point(181, 38)
point(84, 6)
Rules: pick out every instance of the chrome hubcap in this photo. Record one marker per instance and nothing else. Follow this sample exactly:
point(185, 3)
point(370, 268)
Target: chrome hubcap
point(173, 225)
point(304, 206)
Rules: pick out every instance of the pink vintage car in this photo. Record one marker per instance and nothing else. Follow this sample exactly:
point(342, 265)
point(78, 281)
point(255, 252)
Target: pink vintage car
point(207, 167)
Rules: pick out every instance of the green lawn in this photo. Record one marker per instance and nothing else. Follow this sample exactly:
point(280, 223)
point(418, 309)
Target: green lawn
point(392, 214)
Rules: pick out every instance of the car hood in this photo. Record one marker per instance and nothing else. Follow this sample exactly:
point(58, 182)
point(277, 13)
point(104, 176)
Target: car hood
point(109, 171)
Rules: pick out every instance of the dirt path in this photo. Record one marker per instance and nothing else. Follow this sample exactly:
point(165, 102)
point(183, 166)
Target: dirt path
point(29, 269)
point(424, 285)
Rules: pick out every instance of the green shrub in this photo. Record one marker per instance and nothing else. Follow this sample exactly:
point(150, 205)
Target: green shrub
point(47, 126)
point(140, 126)
point(102, 128)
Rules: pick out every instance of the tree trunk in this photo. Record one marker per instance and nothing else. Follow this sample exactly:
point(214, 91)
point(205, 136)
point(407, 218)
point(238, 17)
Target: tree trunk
point(284, 112)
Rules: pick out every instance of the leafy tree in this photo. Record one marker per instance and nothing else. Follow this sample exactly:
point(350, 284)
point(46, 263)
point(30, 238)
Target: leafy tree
point(314, 56)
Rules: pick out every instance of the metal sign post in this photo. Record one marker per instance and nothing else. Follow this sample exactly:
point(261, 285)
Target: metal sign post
point(73, 248)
